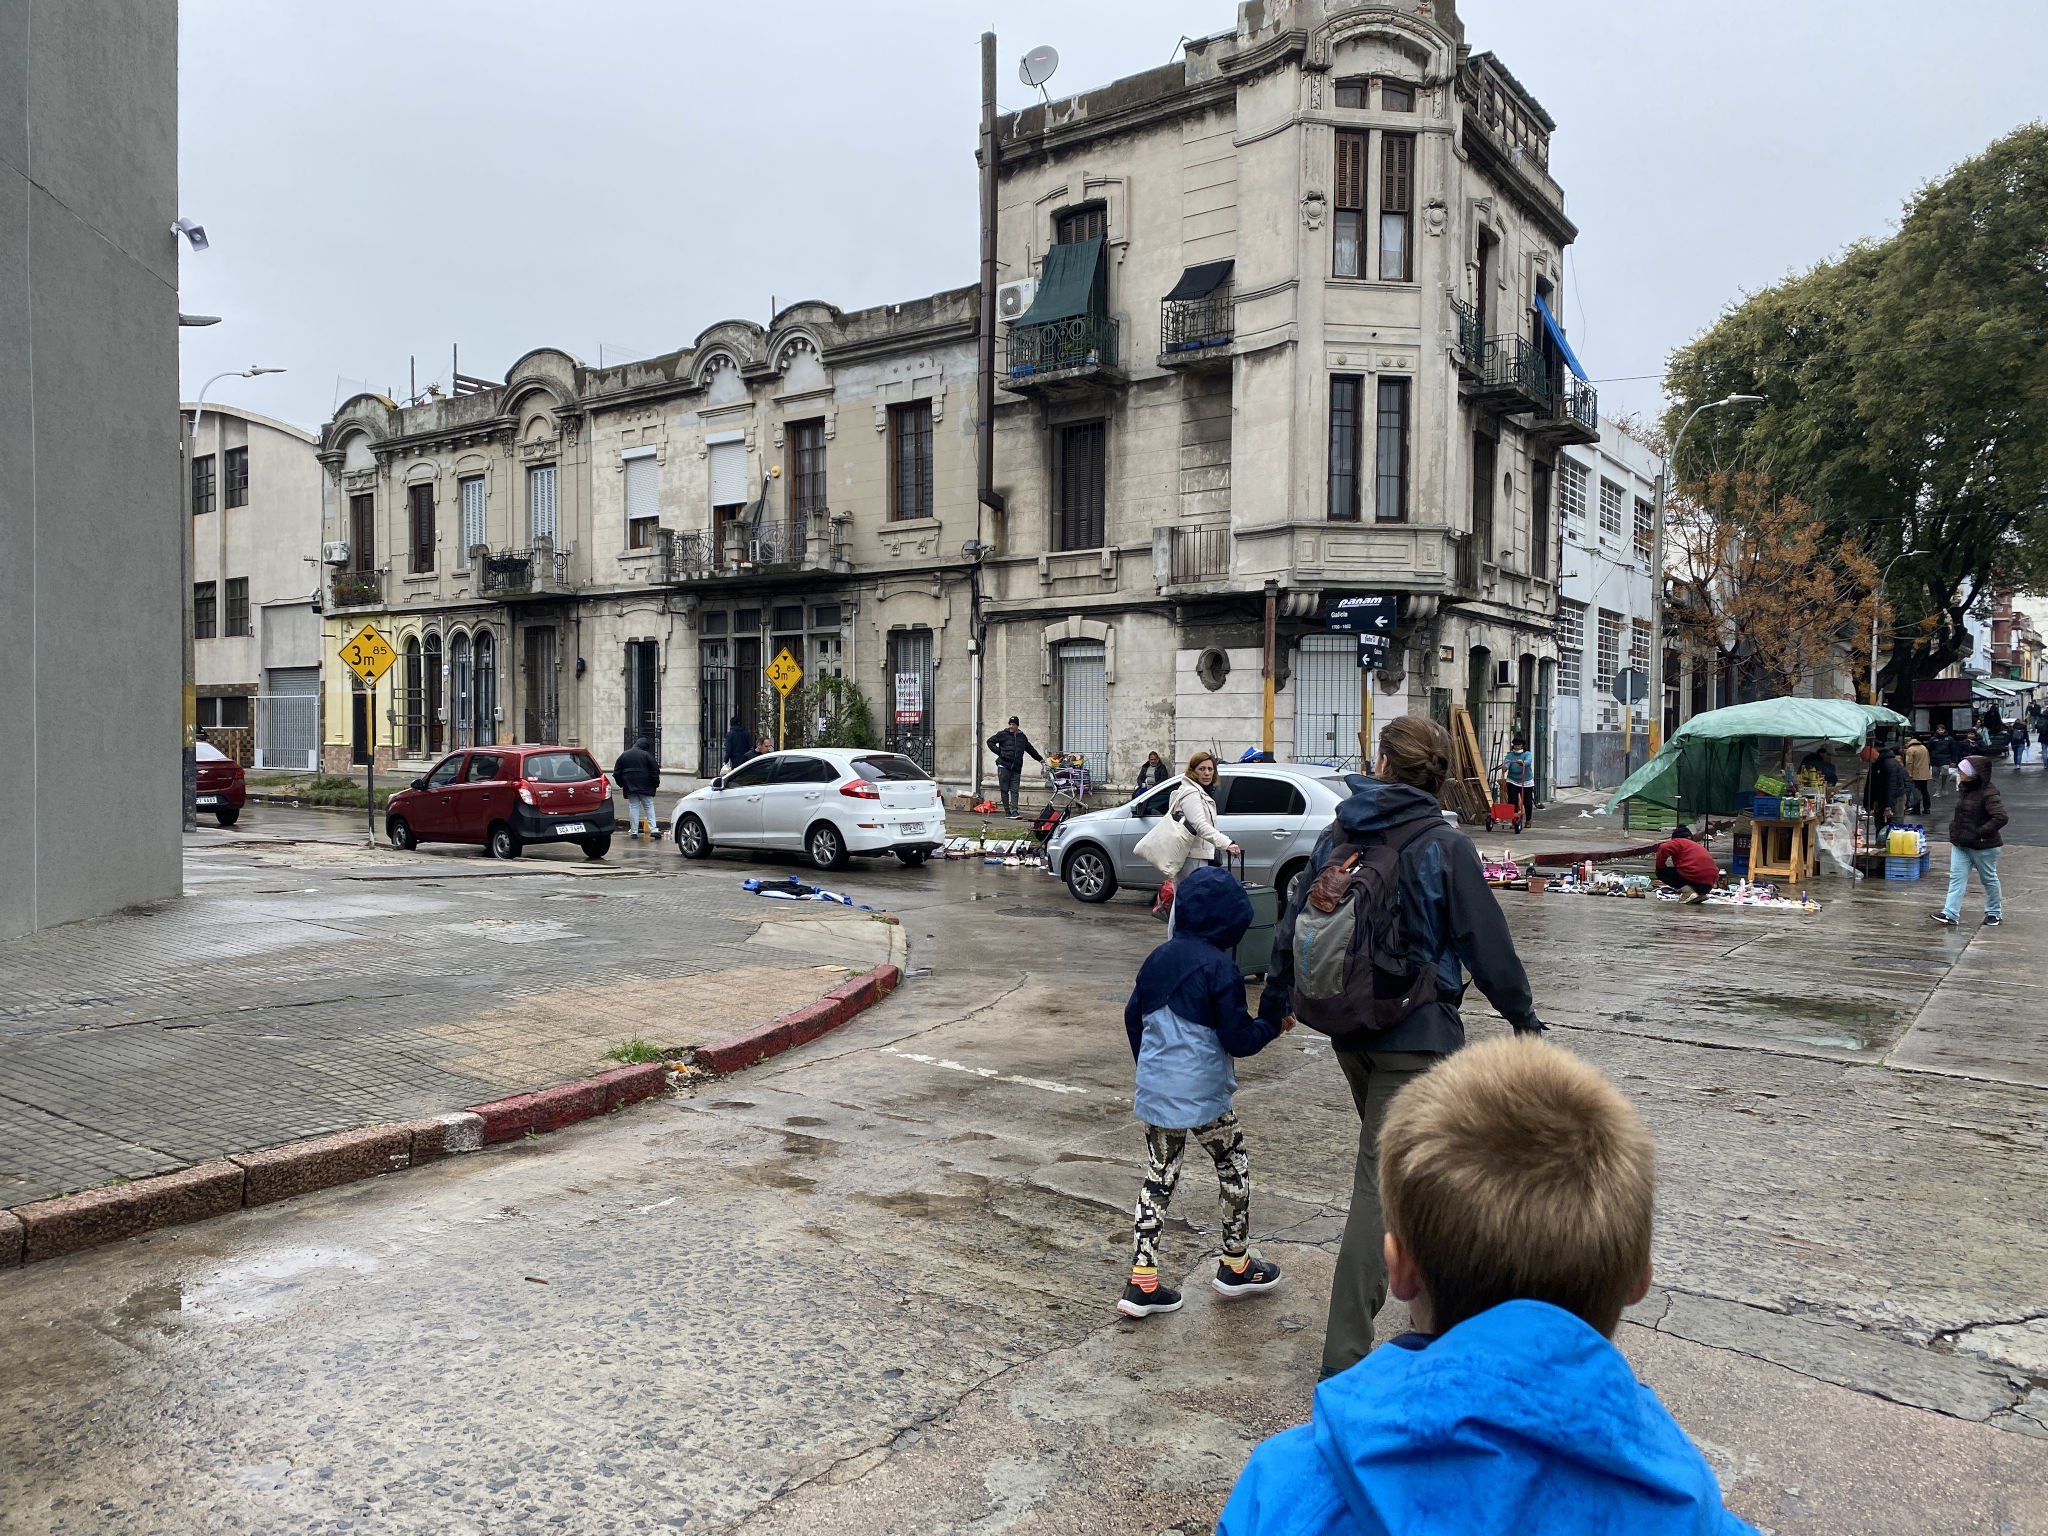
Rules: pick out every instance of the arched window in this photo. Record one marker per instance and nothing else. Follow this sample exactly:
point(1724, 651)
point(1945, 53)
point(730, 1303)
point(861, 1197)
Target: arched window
point(463, 714)
point(484, 667)
point(436, 716)
point(409, 707)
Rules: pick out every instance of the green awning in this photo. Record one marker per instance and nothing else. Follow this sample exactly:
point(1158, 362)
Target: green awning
point(1070, 284)
point(1711, 759)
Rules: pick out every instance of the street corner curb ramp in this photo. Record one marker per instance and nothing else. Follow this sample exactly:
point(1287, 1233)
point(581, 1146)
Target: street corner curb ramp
point(49, 1229)
point(806, 1024)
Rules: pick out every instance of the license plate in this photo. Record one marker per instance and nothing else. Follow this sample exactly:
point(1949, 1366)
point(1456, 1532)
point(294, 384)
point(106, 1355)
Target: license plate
point(571, 829)
point(207, 800)
point(913, 829)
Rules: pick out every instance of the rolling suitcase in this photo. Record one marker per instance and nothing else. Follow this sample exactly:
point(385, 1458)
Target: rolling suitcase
point(1254, 952)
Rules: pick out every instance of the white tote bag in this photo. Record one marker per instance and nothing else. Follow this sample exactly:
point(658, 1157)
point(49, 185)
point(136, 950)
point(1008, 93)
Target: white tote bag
point(1167, 846)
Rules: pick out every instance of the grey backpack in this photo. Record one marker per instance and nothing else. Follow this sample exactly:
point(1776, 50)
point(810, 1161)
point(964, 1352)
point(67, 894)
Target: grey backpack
point(1351, 968)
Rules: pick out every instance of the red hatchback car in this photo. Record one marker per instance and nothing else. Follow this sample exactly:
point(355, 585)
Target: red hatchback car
point(221, 790)
point(503, 798)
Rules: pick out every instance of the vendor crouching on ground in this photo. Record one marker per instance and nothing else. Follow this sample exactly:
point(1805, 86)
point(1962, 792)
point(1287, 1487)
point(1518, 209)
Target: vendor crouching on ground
point(1683, 862)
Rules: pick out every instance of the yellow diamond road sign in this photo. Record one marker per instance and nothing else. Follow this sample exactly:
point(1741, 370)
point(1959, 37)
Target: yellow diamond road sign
point(783, 671)
point(368, 655)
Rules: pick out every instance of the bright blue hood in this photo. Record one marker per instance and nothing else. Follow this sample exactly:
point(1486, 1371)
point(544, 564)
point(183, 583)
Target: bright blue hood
point(1375, 806)
point(1520, 1419)
point(1211, 905)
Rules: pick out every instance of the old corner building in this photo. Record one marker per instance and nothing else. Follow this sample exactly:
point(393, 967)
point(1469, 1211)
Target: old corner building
point(1280, 312)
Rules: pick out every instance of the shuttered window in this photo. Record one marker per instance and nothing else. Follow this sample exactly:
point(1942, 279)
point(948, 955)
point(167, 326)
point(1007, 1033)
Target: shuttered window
point(1079, 224)
point(1345, 427)
point(1397, 206)
point(420, 507)
point(728, 474)
point(1350, 203)
point(473, 528)
point(540, 501)
point(1080, 479)
point(643, 500)
point(910, 460)
point(362, 533)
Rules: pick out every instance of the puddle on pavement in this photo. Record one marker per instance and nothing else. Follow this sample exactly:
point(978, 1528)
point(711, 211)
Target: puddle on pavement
point(803, 1120)
point(152, 1310)
point(1838, 1024)
point(797, 1144)
point(923, 1205)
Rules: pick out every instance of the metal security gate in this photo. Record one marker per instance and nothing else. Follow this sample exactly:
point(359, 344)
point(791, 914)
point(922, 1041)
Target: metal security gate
point(541, 708)
point(1325, 684)
point(643, 693)
point(288, 719)
point(714, 704)
point(1084, 705)
point(910, 695)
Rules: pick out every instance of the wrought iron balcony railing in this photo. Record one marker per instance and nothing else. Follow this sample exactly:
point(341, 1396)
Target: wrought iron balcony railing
point(525, 572)
point(356, 589)
point(1196, 325)
point(1059, 346)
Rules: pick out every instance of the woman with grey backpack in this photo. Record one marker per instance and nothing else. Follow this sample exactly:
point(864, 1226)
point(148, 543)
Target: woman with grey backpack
point(1437, 921)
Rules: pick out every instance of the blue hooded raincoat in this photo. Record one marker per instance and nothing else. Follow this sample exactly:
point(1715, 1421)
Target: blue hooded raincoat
point(1186, 1017)
point(1520, 1419)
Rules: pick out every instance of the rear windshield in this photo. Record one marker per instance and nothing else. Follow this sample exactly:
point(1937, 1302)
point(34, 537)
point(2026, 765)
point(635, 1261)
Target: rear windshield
point(560, 767)
point(891, 765)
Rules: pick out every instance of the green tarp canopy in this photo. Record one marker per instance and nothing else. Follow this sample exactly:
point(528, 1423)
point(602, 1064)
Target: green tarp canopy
point(1067, 285)
point(1710, 761)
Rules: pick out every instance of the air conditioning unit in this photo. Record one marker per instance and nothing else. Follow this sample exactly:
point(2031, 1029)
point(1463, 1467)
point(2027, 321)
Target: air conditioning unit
point(1012, 299)
point(1503, 674)
point(334, 554)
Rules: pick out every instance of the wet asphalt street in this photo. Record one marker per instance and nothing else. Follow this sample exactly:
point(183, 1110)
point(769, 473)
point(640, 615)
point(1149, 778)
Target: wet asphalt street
point(868, 1286)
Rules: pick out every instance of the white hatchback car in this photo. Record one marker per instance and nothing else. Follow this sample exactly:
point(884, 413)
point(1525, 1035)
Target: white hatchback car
point(824, 802)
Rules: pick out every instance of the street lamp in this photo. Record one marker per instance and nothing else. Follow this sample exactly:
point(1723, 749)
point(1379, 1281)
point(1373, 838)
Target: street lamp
point(1657, 560)
point(1878, 607)
point(191, 693)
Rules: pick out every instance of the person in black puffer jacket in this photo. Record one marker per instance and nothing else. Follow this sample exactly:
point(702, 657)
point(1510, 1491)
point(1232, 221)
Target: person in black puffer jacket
point(1452, 921)
point(1974, 841)
point(638, 772)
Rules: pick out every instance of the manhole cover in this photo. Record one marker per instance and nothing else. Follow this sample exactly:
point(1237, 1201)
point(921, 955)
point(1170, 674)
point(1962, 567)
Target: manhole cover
point(1903, 962)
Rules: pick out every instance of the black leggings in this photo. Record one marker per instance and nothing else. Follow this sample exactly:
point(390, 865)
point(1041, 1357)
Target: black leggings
point(1676, 881)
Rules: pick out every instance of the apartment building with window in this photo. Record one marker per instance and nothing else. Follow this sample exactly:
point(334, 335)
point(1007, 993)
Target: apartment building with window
point(1279, 312)
point(255, 528)
point(1606, 500)
point(587, 555)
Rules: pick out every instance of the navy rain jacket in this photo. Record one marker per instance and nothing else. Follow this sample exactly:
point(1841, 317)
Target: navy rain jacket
point(1186, 1017)
point(1448, 912)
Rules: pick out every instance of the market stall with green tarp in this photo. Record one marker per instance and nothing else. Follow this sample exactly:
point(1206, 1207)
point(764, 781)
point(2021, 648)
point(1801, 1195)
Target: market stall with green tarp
point(1709, 766)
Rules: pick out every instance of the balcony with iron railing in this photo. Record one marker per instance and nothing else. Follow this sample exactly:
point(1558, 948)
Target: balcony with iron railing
point(1573, 415)
point(542, 571)
point(1197, 332)
point(743, 548)
point(1080, 351)
point(355, 589)
point(1190, 555)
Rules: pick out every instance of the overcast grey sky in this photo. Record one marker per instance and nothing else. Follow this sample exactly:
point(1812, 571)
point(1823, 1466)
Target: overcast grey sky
point(381, 179)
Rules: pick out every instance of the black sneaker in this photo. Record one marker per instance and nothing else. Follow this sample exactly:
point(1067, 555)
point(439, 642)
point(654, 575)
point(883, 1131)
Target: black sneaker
point(1944, 919)
point(1993, 922)
point(1257, 1275)
point(1138, 1302)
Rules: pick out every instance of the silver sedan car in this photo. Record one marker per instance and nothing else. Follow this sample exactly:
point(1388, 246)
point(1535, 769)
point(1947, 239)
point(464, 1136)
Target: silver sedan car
point(1273, 811)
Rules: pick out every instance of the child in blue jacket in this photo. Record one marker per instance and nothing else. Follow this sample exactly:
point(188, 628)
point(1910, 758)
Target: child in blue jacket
point(1519, 1187)
point(1187, 1019)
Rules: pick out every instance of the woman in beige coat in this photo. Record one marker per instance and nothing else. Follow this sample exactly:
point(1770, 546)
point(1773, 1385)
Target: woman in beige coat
point(1193, 803)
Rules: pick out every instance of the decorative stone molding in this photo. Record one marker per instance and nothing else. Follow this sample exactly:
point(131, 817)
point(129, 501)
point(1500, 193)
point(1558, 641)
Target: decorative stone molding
point(914, 536)
point(1077, 628)
point(1313, 207)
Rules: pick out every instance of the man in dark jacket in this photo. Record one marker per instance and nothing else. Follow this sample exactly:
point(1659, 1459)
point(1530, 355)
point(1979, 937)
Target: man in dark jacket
point(1943, 752)
point(1011, 746)
point(1973, 843)
point(739, 745)
point(1451, 920)
point(639, 774)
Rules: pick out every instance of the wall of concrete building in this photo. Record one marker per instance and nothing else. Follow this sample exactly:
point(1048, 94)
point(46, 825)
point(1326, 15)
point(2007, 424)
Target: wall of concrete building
point(89, 455)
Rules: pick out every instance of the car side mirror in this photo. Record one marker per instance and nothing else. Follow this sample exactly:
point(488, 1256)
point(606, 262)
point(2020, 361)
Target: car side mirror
point(718, 783)
point(419, 783)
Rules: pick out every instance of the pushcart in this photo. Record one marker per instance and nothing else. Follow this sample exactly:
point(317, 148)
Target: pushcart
point(1506, 810)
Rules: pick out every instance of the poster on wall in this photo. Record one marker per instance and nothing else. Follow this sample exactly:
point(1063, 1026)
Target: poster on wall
point(909, 698)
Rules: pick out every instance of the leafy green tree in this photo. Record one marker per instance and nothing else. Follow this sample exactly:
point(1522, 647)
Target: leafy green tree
point(826, 712)
point(1906, 390)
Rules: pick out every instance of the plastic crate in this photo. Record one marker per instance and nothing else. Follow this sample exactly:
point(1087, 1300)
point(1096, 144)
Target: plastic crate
point(1903, 869)
point(1926, 862)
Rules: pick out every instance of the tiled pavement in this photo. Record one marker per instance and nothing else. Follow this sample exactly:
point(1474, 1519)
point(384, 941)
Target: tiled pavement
point(306, 987)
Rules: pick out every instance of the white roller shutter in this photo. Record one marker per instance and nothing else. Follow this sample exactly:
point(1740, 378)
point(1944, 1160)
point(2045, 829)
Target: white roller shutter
point(728, 474)
point(643, 487)
point(540, 500)
point(473, 532)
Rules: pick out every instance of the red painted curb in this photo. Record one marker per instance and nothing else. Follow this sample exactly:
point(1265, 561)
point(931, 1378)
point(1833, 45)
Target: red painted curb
point(629, 1085)
point(51, 1228)
point(806, 1024)
point(505, 1119)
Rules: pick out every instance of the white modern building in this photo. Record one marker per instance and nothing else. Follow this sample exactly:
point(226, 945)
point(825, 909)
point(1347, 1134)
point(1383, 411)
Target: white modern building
point(256, 581)
point(1607, 517)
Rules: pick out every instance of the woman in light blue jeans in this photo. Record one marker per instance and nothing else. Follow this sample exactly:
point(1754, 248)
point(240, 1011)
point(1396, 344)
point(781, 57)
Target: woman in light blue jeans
point(1974, 841)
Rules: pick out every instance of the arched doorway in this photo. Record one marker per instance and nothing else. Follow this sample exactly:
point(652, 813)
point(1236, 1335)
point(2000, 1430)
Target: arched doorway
point(484, 670)
point(434, 722)
point(413, 738)
point(462, 715)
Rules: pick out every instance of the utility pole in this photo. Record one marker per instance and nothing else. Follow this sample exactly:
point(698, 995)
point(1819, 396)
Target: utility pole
point(1657, 569)
point(985, 494)
point(1266, 664)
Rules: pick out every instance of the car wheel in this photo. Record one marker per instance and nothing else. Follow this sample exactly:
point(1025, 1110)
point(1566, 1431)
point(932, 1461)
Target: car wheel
point(1089, 874)
point(1289, 877)
point(228, 815)
point(399, 830)
point(503, 842)
point(596, 847)
point(825, 846)
point(912, 857)
point(691, 839)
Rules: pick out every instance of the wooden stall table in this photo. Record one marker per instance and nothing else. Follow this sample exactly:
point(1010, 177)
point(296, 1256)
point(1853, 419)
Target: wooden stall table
point(1784, 850)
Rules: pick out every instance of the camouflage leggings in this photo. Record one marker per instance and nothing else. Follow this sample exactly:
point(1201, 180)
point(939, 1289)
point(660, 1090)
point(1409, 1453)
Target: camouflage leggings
point(1224, 1142)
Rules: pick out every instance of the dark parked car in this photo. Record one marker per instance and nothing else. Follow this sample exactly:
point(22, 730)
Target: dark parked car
point(221, 789)
point(503, 798)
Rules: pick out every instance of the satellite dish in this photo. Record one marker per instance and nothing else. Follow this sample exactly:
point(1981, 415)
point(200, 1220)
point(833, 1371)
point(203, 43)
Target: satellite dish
point(1037, 66)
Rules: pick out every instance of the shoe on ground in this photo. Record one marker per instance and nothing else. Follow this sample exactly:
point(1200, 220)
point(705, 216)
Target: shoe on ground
point(1944, 919)
point(1138, 1302)
point(1695, 898)
point(1257, 1275)
point(1993, 922)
